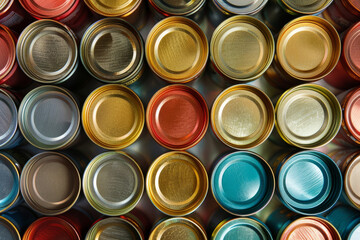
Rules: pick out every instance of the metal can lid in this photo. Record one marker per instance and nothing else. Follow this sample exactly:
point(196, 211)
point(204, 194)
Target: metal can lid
point(177, 49)
point(3, 4)
point(177, 117)
point(49, 117)
point(309, 182)
point(177, 183)
point(113, 183)
point(177, 8)
point(351, 181)
point(351, 48)
point(242, 183)
point(47, 51)
point(351, 114)
point(308, 116)
point(114, 228)
point(355, 233)
point(306, 6)
point(8, 230)
point(308, 48)
point(242, 48)
point(50, 183)
point(178, 228)
point(113, 8)
point(126, 119)
point(112, 50)
point(245, 127)
point(240, 7)
point(7, 48)
point(355, 4)
point(47, 9)
point(8, 121)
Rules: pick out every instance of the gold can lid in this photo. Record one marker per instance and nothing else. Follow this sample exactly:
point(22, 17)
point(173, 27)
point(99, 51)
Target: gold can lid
point(351, 181)
point(3, 3)
point(113, 8)
point(308, 116)
point(177, 183)
point(242, 116)
point(177, 8)
point(177, 49)
point(307, 6)
point(308, 48)
point(242, 48)
point(113, 116)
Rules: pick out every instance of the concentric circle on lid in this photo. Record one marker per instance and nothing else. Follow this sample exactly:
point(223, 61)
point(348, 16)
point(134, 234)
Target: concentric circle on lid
point(113, 116)
point(355, 4)
point(177, 183)
point(178, 8)
point(8, 230)
point(308, 48)
point(242, 183)
point(351, 181)
point(113, 183)
point(4, 3)
point(355, 233)
point(351, 48)
point(7, 49)
point(8, 120)
point(49, 117)
point(242, 48)
point(307, 6)
point(113, 8)
point(177, 117)
point(242, 116)
point(351, 113)
point(177, 49)
point(47, 9)
point(50, 183)
point(240, 7)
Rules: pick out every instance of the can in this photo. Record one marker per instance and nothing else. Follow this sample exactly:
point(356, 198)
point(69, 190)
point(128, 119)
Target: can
point(49, 118)
point(307, 116)
point(113, 116)
point(177, 50)
point(112, 51)
point(47, 52)
point(241, 49)
point(342, 13)
point(346, 74)
point(177, 183)
point(50, 183)
point(307, 49)
point(242, 183)
point(245, 127)
point(346, 221)
point(177, 117)
point(113, 183)
point(13, 15)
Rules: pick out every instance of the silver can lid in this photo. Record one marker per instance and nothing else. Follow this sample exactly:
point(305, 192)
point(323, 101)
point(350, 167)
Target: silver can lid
point(8, 117)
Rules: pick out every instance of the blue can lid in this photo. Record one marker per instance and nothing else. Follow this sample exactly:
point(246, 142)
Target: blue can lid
point(242, 183)
point(9, 183)
point(355, 233)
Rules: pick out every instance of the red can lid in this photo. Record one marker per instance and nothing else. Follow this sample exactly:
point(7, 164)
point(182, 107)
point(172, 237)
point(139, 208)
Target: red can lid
point(355, 4)
point(47, 8)
point(177, 117)
point(351, 49)
point(7, 49)
point(51, 228)
point(352, 113)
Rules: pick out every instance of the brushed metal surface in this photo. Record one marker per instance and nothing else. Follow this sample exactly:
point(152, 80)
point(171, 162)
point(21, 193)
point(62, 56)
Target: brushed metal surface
point(307, 6)
point(8, 118)
point(7, 230)
point(7, 47)
point(240, 7)
point(112, 8)
point(178, 7)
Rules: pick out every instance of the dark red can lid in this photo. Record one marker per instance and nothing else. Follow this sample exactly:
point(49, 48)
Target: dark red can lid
point(7, 49)
point(351, 48)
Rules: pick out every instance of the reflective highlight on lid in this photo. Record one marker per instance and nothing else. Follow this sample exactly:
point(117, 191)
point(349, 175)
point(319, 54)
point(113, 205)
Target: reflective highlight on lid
point(8, 230)
point(306, 6)
point(47, 9)
point(240, 7)
point(351, 181)
point(7, 48)
point(179, 8)
point(8, 120)
point(9, 183)
point(113, 8)
point(351, 114)
point(351, 48)
point(355, 233)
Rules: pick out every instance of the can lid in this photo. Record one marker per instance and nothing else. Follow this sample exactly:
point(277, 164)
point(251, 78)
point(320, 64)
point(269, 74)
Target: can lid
point(182, 228)
point(351, 48)
point(8, 230)
point(355, 233)
point(308, 116)
point(307, 6)
point(47, 9)
point(245, 127)
point(177, 49)
point(177, 183)
point(242, 183)
point(113, 183)
point(47, 51)
point(113, 8)
point(177, 117)
point(240, 7)
point(7, 48)
point(179, 8)
point(308, 48)
point(8, 121)
point(50, 183)
point(4, 3)
point(49, 117)
point(351, 181)
point(351, 113)
point(113, 228)
point(112, 50)
point(242, 48)
point(355, 4)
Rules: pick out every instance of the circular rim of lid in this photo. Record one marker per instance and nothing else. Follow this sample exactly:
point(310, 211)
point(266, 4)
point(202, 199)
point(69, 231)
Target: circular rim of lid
point(223, 29)
point(10, 133)
point(351, 195)
point(161, 28)
point(92, 170)
point(5, 5)
point(86, 111)
point(32, 7)
point(23, 113)
point(302, 12)
point(11, 60)
point(349, 103)
point(167, 9)
point(353, 4)
point(323, 92)
point(267, 191)
point(100, 8)
point(323, 27)
point(34, 31)
point(161, 227)
point(353, 231)
point(11, 226)
point(25, 182)
point(99, 29)
point(153, 105)
point(266, 102)
point(194, 201)
point(352, 34)
point(232, 9)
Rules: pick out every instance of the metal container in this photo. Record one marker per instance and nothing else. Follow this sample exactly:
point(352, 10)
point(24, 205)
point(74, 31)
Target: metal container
point(307, 116)
point(113, 183)
point(346, 74)
point(241, 49)
point(47, 52)
point(112, 51)
point(242, 183)
point(13, 15)
point(49, 118)
point(177, 117)
point(245, 127)
point(113, 116)
point(343, 13)
point(50, 183)
point(307, 49)
point(177, 50)
point(346, 221)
